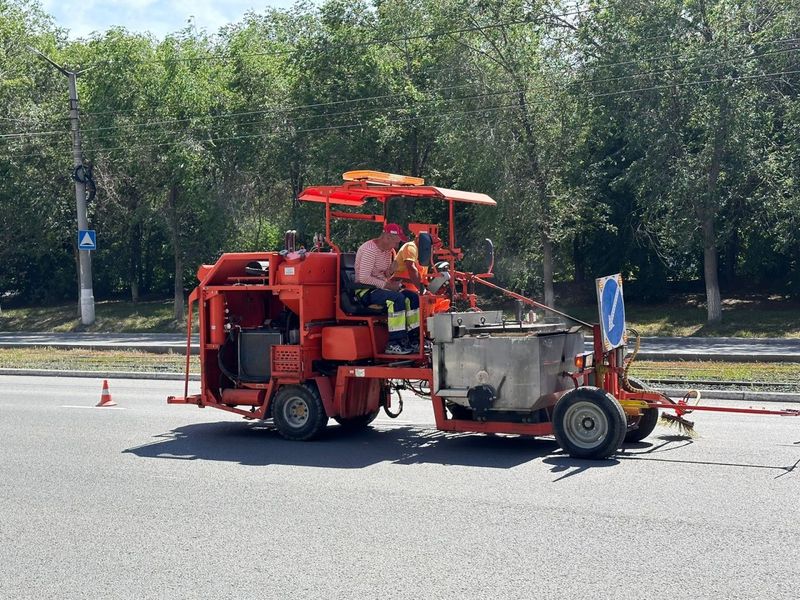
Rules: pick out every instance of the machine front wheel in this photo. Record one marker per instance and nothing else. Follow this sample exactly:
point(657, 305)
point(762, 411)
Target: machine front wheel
point(589, 423)
point(357, 423)
point(298, 412)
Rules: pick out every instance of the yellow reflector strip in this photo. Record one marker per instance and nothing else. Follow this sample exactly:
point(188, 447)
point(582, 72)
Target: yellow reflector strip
point(380, 177)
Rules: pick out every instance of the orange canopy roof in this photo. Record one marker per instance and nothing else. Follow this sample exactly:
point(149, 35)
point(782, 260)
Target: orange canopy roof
point(358, 192)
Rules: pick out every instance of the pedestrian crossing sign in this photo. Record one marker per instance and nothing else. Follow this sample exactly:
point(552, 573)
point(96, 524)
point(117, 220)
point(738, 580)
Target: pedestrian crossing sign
point(87, 239)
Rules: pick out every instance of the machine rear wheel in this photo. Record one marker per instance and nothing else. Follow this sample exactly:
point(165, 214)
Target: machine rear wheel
point(643, 425)
point(298, 412)
point(589, 423)
point(357, 423)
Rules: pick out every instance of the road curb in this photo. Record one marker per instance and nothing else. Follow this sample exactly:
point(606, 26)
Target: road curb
point(101, 374)
point(152, 349)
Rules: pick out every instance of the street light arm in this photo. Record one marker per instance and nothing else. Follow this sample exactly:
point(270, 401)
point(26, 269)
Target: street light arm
point(47, 58)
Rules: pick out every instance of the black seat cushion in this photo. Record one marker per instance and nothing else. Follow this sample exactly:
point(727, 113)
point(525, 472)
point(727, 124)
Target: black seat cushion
point(348, 286)
point(424, 248)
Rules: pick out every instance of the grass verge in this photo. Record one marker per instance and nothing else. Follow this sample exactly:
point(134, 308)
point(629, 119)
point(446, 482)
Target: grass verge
point(113, 316)
point(765, 376)
point(744, 316)
point(76, 359)
point(685, 316)
point(780, 377)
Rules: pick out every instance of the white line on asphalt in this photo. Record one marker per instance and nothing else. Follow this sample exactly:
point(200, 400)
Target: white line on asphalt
point(103, 407)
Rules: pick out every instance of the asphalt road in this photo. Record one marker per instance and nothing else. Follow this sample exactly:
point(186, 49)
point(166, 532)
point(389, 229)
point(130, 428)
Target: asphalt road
point(156, 501)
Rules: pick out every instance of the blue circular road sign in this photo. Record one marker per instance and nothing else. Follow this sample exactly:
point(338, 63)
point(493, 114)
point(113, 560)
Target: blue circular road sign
point(612, 311)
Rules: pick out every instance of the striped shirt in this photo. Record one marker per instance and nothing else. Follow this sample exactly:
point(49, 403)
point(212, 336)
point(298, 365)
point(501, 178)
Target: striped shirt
point(373, 265)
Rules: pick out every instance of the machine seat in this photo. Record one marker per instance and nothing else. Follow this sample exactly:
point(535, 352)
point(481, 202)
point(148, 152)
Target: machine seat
point(347, 281)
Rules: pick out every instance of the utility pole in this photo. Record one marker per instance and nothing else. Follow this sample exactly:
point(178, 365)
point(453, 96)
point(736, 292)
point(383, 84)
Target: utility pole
point(84, 258)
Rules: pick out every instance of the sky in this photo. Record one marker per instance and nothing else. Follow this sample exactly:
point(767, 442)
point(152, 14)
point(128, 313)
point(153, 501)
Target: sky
point(159, 17)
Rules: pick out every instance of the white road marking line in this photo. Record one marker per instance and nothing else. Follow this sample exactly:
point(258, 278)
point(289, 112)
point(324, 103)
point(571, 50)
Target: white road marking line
point(103, 407)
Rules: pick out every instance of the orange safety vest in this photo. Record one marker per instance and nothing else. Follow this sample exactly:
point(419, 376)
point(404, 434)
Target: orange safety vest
point(408, 251)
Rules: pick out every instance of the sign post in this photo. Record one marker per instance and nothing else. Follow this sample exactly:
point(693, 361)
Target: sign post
point(84, 258)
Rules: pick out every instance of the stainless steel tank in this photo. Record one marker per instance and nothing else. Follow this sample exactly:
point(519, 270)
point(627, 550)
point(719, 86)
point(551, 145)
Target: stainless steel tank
point(483, 363)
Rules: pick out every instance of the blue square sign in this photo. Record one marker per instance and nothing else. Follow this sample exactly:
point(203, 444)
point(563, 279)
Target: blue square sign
point(612, 311)
point(87, 239)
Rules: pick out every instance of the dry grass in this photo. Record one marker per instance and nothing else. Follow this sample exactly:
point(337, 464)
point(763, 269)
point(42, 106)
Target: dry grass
point(768, 377)
point(110, 316)
point(76, 359)
point(745, 316)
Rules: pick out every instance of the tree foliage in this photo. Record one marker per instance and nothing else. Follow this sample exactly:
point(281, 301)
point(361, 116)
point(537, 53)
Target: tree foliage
point(657, 138)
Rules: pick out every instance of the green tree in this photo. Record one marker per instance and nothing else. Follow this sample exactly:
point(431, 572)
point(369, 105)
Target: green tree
point(685, 76)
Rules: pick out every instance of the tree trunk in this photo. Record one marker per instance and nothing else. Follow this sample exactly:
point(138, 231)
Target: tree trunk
point(134, 290)
point(543, 208)
point(415, 152)
point(547, 271)
point(135, 245)
point(176, 246)
point(146, 275)
point(578, 260)
point(713, 299)
point(707, 211)
point(178, 287)
point(731, 258)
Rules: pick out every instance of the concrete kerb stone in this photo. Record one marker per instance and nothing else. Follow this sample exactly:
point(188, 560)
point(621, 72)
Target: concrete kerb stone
point(101, 374)
point(154, 349)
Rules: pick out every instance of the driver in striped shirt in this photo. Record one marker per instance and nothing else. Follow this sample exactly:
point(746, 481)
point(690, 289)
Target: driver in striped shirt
point(375, 267)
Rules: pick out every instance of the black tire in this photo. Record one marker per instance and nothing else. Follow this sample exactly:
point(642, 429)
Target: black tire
point(357, 423)
point(298, 412)
point(589, 423)
point(643, 425)
point(460, 413)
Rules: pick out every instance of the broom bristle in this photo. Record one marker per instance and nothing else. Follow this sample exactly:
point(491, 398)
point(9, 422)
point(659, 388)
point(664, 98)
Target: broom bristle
point(684, 426)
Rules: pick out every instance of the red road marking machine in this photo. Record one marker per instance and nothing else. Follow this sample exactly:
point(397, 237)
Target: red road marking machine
point(283, 337)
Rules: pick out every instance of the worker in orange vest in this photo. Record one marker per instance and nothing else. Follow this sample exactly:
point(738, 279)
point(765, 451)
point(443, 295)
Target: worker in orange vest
point(407, 267)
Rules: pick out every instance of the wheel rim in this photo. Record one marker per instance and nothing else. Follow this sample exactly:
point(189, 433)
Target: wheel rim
point(295, 412)
point(585, 424)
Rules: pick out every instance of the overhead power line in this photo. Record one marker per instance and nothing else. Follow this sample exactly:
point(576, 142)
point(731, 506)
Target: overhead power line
point(287, 110)
point(691, 83)
point(682, 56)
point(447, 100)
point(438, 114)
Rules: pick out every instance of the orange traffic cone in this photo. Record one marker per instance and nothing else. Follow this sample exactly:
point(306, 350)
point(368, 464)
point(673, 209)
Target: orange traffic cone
point(105, 396)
